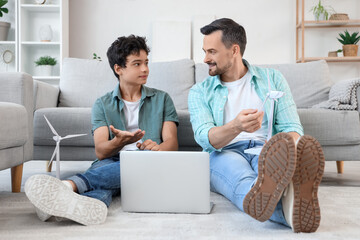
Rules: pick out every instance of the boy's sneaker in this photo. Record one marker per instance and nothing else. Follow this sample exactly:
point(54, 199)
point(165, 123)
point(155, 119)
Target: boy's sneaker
point(50, 196)
point(276, 166)
point(300, 202)
point(44, 216)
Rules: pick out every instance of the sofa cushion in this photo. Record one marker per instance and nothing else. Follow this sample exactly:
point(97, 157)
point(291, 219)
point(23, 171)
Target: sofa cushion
point(77, 120)
point(82, 81)
point(65, 121)
point(175, 78)
point(331, 127)
point(310, 82)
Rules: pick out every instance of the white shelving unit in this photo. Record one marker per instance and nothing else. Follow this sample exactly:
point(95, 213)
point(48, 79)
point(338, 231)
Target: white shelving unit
point(31, 18)
point(26, 19)
point(10, 46)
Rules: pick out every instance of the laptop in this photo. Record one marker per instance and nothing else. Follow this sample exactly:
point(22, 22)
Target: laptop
point(165, 181)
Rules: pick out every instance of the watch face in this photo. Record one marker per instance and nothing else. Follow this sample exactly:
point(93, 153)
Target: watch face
point(40, 1)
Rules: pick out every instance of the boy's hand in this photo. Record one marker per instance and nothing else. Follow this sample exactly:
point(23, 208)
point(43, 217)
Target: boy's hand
point(125, 137)
point(148, 145)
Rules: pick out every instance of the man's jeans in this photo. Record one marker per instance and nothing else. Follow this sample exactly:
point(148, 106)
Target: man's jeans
point(100, 181)
point(233, 173)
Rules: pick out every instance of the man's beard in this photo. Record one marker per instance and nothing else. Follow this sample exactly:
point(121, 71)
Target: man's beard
point(219, 71)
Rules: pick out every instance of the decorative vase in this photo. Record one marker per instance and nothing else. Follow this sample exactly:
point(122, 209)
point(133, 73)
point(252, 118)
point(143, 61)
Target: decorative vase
point(45, 70)
point(350, 50)
point(45, 33)
point(321, 17)
point(4, 30)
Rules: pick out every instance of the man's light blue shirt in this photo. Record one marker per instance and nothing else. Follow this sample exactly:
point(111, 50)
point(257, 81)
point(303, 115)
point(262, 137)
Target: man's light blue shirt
point(207, 100)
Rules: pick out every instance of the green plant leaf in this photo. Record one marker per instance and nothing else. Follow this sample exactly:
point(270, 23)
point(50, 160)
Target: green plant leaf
point(46, 60)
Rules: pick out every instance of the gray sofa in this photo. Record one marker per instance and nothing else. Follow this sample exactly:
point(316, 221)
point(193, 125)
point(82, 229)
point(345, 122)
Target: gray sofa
point(82, 81)
point(16, 111)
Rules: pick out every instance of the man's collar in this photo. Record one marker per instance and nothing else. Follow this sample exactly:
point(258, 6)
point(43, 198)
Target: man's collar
point(251, 69)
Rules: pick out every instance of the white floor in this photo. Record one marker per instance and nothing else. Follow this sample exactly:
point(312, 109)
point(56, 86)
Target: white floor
point(339, 202)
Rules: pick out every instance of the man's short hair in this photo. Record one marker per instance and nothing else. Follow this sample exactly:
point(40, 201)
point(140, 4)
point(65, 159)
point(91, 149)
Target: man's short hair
point(122, 47)
point(232, 32)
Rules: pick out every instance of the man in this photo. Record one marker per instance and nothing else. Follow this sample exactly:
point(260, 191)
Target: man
point(227, 118)
point(131, 117)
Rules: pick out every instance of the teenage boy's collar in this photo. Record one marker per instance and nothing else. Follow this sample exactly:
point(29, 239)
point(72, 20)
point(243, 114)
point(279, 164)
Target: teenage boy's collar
point(145, 92)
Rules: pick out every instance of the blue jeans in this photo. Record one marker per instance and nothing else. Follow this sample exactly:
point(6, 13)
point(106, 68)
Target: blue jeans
point(233, 173)
point(100, 181)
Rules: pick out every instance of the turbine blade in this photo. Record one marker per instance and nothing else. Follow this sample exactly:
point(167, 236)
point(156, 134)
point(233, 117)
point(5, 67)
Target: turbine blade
point(51, 127)
point(55, 151)
point(72, 136)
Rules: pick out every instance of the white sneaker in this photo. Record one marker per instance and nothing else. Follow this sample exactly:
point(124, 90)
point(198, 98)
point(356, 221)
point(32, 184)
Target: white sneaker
point(52, 197)
point(44, 216)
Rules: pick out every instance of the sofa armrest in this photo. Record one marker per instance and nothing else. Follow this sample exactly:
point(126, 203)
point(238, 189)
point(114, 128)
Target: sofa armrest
point(45, 95)
point(358, 98)
point(18, 88)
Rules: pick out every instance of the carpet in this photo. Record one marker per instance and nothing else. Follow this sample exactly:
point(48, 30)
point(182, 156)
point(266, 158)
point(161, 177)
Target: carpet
point(340, 208)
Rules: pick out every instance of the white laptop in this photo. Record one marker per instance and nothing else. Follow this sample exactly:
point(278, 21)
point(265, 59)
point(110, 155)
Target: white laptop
point(166, 182)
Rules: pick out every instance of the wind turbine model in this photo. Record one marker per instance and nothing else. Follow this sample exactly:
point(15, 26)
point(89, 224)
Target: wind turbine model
point(273, 96)
point(57, 138)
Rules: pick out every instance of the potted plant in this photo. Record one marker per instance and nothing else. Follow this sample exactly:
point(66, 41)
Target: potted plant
point(96, 57)
point(4, 26)
point(46, 65)
point(321, 13)
point(349, 42)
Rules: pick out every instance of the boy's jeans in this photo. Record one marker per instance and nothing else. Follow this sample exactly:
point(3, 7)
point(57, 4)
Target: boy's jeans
point(233, 173)
point(100, 181)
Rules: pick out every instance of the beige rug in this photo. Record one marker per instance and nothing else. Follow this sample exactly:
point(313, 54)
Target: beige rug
point(340, 208)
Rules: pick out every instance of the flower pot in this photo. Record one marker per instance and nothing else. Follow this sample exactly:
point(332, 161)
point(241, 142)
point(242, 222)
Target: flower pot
point(321, 17)
point(4, 30)
point(45, 70)
point(350, 50)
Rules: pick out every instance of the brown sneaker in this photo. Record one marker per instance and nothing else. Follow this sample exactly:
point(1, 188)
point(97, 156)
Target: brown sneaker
point(276, 167)
point(301, 205)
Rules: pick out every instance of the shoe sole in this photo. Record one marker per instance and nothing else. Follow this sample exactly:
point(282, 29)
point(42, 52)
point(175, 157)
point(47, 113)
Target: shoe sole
point(51, 196)
point(307, 178)
point(276, 166)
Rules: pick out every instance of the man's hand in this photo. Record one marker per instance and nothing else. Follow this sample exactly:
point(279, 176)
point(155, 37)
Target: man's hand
point(249, 120)
point(148, 145)
point(124, 137)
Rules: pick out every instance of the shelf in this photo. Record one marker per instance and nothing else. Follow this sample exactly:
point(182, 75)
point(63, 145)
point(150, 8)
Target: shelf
point(46, 77)
point(41, 43)
point(41, 8)
point(331, 59)
point(330, 24)
point(8, 42)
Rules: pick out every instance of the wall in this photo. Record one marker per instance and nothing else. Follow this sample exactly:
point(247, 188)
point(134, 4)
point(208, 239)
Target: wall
point(270, 26)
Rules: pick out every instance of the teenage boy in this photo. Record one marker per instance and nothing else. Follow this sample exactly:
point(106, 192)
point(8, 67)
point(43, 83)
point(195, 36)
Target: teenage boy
point(227, 118)
point(131, 117)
